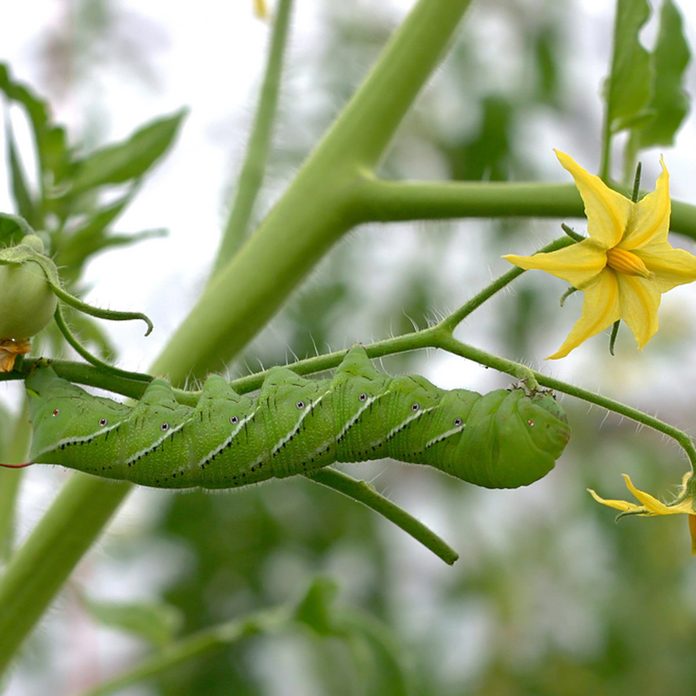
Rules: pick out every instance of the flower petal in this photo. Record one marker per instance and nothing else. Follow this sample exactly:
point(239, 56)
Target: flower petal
point(639, 300)
point(577, 264)
point(600, 309)
point(651, 504)
point(670, 266)
point(607, 211)
point(622, 505)
point(649, 221)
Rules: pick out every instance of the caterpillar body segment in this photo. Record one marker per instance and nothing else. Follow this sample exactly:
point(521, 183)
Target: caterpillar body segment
point(503, 439)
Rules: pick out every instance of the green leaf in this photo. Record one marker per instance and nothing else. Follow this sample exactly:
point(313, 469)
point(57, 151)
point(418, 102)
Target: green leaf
point(12, 229)
point(20, 188)
point(546, 64)
point(373, 646)
point(157, 623)
point(627, 87)
point(669, 103)
point(316, 610)
point(130, 159)
point(92, 236)
point(50, 138)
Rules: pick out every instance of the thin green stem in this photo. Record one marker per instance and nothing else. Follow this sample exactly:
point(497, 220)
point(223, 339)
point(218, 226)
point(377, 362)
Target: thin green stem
point(636, 183)
point(572, 233)
point(252, 172)
point(609, 97)
point(366, 494)
point(605, 162)
point(614, 334)
point(426, 338)
point(110, 314)
point(451, 322)
point(93, 359)
point(203, 642)
point(131, 384)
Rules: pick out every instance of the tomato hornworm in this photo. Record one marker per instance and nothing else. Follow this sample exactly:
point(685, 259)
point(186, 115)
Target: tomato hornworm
point(503, 439)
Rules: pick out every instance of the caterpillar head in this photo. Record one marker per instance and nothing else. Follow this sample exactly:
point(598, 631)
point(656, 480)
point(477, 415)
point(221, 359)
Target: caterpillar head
point(547, 422)
point(531, 442)
point(60, 412)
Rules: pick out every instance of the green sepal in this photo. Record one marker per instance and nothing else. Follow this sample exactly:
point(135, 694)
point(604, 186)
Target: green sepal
point(26, 253)
point(90, 357)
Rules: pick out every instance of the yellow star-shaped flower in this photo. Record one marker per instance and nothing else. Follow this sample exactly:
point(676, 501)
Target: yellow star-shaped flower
point(624, 265)
point(650, 506)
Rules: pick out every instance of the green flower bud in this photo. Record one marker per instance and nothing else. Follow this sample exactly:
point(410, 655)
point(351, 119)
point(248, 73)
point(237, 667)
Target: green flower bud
point(27, 302)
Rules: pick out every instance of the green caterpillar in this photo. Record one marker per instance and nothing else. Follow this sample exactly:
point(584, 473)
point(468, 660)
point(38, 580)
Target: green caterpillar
point(503, 439)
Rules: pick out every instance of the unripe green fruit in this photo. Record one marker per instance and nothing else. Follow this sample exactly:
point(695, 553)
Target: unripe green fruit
point(27, 302)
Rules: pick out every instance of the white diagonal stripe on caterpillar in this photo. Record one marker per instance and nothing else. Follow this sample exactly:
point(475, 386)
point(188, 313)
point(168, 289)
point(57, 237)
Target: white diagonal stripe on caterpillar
point(356, 417)
point(444, 436)
point(146, 450)
point(227, 441)
point(404, 424)
point(305, 412)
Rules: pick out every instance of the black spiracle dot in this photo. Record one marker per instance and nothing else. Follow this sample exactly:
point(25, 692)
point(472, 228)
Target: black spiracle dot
point(300, 404)
point(234, 420)
point(415, 407)
point(103, 422)
point(457, 422)
point(164, 427)
point(363, 397)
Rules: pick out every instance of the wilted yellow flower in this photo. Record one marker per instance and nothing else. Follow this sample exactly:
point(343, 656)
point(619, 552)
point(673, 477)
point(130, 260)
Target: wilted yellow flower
point(261, 9)
point(10, 348)
point(624, 265)
point(650, 506)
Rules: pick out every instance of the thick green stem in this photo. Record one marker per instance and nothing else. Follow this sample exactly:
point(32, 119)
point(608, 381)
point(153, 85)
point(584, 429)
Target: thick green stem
point(312, 215)
point(251, 175)
point(10, 481)
point(320, 205)
point(394, 201)
point(40, 566)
